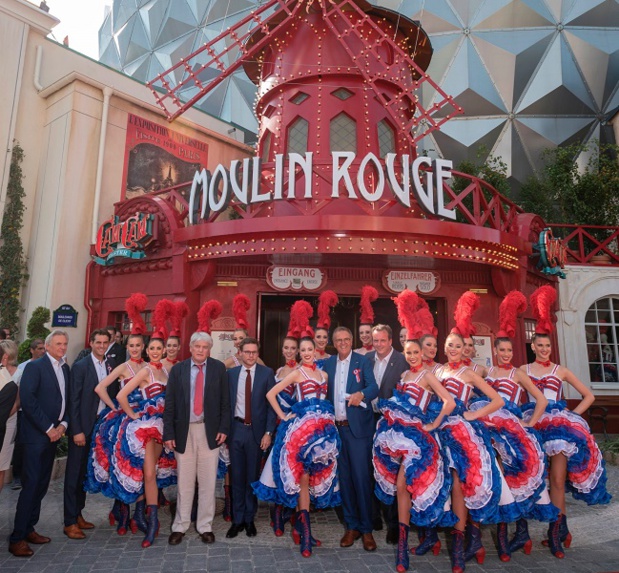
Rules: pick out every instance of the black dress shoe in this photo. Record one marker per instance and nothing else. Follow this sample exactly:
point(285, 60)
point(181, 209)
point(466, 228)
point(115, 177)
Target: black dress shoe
point(251, 529)
point(234, 530)
point(392, 536)
point(208, 537)
point(377, 524)
point(175, 537)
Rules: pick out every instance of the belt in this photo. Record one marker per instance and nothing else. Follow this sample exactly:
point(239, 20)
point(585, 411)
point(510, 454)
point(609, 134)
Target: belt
point(198, 422)
point(242, 420)
point(342, 423)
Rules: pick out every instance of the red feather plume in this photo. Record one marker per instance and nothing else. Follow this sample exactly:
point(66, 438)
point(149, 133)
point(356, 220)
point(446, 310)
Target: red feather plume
point(162, 312)
point(368, 295)
point(135, 305)
point(513, 304)
point(425, 320)
point(466, 306)
point(240, 306)
point(181, 310)
point(407, 302)
point(300, 314)
point(542, 300)
point(326, 301)
point(209, 311)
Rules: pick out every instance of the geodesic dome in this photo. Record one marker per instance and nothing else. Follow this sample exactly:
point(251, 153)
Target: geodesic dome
point(530, 74)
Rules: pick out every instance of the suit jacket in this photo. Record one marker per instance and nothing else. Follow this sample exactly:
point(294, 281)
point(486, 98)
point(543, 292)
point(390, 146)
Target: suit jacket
point(178, 403)
point(360, 378)
point(263, 417)
point(41, 400)
point(116, 355)
point(396, 366)
point(83, 402)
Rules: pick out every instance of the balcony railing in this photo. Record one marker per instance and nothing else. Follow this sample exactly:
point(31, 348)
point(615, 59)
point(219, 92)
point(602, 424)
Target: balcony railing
point(589, 244)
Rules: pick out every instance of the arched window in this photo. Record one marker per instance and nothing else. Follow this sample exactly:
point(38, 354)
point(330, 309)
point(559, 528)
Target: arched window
point(602, 332)
point(297, 136)
point(386, 138)
point(343, 133)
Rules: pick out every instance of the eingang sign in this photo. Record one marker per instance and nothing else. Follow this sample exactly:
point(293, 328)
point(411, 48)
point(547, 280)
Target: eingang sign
point(213, 191)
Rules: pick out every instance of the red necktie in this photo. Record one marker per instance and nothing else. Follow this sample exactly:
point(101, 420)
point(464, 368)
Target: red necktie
point(248, 398)
point(198, 397)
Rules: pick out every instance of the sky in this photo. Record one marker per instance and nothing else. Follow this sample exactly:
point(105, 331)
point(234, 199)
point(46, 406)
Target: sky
point(80, 20)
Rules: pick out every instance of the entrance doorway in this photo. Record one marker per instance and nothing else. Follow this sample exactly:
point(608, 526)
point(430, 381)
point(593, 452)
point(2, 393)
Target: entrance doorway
point(274, 315)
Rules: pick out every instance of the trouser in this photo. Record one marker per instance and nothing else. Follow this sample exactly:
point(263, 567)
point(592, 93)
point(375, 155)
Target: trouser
point(197, 463)
point(245, 456)
point(74, 494)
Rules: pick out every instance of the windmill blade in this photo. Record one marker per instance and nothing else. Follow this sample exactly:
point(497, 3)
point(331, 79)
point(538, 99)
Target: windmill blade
point(363, 39)
point(206, 76)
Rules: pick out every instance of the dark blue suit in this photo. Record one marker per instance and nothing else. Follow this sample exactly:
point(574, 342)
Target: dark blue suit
point(244, 440)
point(41, 403)
point(355, 459)
point(82, 405)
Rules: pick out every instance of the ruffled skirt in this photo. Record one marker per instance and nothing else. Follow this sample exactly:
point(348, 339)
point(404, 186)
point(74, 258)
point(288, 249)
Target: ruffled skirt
point(471, 455)
point(309, 444)
point(130, 448)
point(523, 460)
point(400, 441)
point(565, 432)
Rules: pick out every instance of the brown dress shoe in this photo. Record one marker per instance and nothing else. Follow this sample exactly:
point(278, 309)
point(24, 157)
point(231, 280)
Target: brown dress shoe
point(368, 542)
point(349, 537)
point(74, 532)
point(208, 537)
point(83, 524)
point(175, 537)
point(20, 549)
point(34, 537)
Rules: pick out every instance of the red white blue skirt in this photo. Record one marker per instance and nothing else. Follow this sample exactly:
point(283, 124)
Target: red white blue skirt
point(309, 444)
point(130, 448)
point(401, 441)
point(565, 432)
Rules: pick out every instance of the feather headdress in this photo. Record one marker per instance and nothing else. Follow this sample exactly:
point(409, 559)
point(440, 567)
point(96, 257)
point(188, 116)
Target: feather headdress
point(135, 305)
point(407, 303)
point(209, 311)
point(513, 304)
point(466, 306)
point(542, 300)
point(326, 301)
point(240, 306)
point(162, 312)
point(181, 310)
point(300, 314)
point(368, 295)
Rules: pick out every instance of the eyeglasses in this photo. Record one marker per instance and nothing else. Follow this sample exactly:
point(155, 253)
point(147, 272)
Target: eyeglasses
point(342, 340)
point(250, 352)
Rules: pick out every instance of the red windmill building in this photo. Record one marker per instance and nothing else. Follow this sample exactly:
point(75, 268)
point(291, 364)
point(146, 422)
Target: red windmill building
point(332, 77)
point(335, 196)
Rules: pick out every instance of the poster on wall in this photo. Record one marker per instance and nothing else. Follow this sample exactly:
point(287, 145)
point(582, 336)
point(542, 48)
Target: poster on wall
point(157, 157)
point(223, 346)
point(483, 350)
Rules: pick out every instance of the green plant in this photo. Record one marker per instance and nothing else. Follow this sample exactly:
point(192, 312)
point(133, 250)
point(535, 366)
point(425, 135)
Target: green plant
point(564, 192)
point(35, 329)
point(610, 446)
point(13, 270)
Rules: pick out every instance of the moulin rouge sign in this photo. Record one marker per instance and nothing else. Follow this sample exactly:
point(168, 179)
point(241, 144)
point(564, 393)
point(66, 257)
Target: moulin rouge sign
point(423, 177)
point(124, 239)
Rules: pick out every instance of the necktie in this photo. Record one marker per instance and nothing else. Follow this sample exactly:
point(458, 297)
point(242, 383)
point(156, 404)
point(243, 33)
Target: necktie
point(198, 397)
point(248, 398)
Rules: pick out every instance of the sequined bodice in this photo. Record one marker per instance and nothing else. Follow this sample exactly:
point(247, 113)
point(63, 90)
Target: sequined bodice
point(550, 384)
point(506, 387)
point(310, 388)
point(454, 384)
point(416, 394)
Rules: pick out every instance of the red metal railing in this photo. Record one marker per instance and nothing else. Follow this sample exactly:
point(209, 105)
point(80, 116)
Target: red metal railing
point(589, 244)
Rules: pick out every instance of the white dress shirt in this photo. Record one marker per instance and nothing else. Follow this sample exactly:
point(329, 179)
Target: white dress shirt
point(57, 366)
point(239, 410)
point(339, 387)
point(193, 375)
point(101, 370)
point(380, 366)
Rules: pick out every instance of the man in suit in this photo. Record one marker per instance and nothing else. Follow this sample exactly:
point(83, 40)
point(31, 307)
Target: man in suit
point(116, 353)
point(43, 394)
point(196, 421)
point(388, 368)
point(252, 425)
point(84, 406)
point(352, 387)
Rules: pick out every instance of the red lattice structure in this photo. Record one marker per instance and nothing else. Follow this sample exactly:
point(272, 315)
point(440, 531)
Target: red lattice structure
point(587, 244)
point(358, 27)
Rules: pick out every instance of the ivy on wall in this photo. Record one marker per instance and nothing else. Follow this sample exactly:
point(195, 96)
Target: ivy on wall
point(13, 271)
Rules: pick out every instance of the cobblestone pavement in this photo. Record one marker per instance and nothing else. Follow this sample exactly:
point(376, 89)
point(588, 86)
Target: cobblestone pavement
point(595, 547)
